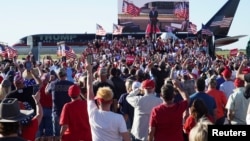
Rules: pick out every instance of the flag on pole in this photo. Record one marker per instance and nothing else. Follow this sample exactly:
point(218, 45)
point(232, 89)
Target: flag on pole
point(11, 52)
point(69, 52)
point(192, 28)
point(124, 6)
point(117, 29)
point(8, 51)
point(205, 31)
point(130, 8)
point(100, 30)
point(63, 50)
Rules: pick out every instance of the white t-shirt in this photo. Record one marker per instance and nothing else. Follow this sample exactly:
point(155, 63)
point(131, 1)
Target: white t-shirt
point(105, 125)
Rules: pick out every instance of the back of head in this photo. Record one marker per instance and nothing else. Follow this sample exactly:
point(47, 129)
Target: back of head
point(167, 92)
point(62, 73)
point(104, 95)
point(212, 82)
point(128, 84)
point(74, 91)
point(114, 71)
point(200, 131)
point(200, 84)
point(198, 109)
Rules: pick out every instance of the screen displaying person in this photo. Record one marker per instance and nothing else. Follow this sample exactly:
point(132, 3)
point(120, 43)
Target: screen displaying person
point(153, 16)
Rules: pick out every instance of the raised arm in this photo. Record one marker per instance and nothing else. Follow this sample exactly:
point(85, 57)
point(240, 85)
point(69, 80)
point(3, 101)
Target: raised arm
point(90, 92)
point(239, 72)
point(39, 110)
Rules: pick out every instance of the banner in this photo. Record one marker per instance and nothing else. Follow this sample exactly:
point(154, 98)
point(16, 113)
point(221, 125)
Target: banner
point(134, 14)
point(233, 52)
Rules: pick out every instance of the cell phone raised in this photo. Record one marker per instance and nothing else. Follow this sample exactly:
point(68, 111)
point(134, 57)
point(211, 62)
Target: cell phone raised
point(28, 65)
point(90, 59)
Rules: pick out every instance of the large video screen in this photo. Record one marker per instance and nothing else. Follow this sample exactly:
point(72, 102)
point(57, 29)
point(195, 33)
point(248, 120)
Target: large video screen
point(172, 15)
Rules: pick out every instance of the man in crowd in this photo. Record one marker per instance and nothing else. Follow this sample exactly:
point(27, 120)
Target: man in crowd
point(59, 90)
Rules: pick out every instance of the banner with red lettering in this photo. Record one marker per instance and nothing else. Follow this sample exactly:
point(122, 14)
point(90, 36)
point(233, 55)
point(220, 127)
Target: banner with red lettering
point(130, 59)
point(233, 52)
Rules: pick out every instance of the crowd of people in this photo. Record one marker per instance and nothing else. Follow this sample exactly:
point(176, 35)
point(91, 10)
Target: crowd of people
point(133, 89)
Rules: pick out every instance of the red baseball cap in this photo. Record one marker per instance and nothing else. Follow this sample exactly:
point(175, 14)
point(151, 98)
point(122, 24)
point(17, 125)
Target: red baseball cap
point(74, 90)
point(148, 84)
point(227, 72)
point(246, 70)
point(238, 82)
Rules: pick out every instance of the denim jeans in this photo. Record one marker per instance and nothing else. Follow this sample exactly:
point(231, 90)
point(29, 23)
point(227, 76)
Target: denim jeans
point(45, 127)
point(55, 123)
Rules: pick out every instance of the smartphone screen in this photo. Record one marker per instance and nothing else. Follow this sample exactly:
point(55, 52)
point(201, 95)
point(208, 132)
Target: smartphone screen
point(90, 58)
point(28, 65)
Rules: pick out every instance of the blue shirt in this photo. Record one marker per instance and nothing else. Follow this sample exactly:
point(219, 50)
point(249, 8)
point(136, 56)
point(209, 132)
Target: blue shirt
point(207, 99)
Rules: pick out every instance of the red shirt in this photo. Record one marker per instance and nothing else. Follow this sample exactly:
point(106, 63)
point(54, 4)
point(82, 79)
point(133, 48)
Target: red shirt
point(190, 123)
point(74, 114)
point(221, 101)
point(167, 121)
point(46, 99)
point(29, 131)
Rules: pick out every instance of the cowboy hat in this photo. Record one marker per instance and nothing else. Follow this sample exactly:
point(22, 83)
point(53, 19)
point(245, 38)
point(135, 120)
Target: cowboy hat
point(10, 111)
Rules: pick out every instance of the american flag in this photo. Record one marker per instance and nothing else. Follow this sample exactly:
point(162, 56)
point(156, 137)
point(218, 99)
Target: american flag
point(124, 7)
point(63, 50)
point(182, 10)
point(9, 51)
point(117, 29)
point(222, 21)
point(2, 50)
point(131, 9)
point(100, 30)
point(192, 28)
point(205, 31)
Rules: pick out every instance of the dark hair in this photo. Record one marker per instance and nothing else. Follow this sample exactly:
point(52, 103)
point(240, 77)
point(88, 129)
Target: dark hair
point(113, 71)
point(8, 128)
point(200, 84)
point(167, 92)
point(198, 109)
point(132, 71)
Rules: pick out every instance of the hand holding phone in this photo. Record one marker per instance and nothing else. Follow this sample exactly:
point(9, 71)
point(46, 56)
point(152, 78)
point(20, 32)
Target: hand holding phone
point(90, 59)
point(28, 65)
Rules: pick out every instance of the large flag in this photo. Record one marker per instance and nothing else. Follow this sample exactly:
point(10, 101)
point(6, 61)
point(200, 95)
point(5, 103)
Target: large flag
point(205, 31)
point(100, 30)
point(130, 8)
point(192, 28)
point(117, 29)
point(182, 10)
point(9, 51)
point(63, 50)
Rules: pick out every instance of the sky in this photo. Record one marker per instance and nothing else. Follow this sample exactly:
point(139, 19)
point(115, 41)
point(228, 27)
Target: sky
point(21, 18)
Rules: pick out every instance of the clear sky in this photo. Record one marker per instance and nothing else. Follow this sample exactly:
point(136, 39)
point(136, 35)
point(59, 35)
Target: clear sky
point(20, 18)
